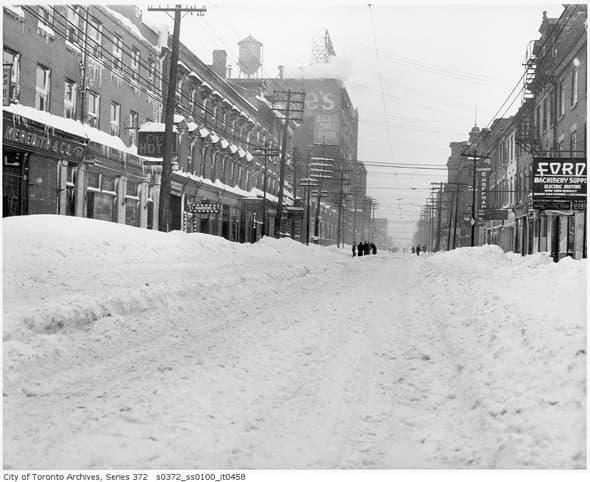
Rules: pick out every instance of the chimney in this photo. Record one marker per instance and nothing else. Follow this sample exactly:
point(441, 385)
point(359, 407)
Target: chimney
point(219, 62)
point(281, 69)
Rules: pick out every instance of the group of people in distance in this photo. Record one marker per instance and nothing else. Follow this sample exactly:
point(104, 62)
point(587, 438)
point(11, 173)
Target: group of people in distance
point(363, 249)
point(417, 250)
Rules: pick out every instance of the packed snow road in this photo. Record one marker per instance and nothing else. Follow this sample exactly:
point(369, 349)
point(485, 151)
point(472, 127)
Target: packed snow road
point(132, 349)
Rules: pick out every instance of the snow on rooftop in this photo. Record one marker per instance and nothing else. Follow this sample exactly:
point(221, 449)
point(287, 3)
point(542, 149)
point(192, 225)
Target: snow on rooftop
point(155, 127)
point(67, 125)
point(128, 25)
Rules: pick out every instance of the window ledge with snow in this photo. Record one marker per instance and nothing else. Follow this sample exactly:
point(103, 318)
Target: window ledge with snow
point(16, 12)
point(73, 47)
point(45, 31)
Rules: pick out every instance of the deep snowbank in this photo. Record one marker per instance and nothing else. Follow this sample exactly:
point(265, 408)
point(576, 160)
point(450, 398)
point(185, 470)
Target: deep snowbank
point(518, 340)
point(64, 273)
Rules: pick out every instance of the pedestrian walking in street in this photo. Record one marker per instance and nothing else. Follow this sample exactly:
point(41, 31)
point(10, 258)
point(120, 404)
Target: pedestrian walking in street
point(366, 248)
point(360, 248)
point(413, 250)
point(373, 248)
point(418, 250)
point(354, 249)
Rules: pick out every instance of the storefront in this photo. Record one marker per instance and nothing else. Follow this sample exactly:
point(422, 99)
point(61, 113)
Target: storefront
point(39, 164)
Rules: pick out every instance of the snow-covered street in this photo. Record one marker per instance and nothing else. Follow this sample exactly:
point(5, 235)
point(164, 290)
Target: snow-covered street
point(127, 348)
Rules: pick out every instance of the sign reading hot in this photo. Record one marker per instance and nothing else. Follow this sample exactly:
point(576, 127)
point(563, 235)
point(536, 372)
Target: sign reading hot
point(559, 179)
point(151, 144)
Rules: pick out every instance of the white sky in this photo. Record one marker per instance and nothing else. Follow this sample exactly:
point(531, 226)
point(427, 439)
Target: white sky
point(476, 51)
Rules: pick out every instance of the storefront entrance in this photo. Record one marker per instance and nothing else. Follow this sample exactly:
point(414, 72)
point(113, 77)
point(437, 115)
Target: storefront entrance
point(14, 183)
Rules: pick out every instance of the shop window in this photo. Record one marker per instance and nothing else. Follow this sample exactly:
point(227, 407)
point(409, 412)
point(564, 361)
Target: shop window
point(117, 52)
point(42, 88)
point(70, 99)
point(132, 204)
point(115, 119)
point(93, 109)
point(11, 60)
point(101, 197)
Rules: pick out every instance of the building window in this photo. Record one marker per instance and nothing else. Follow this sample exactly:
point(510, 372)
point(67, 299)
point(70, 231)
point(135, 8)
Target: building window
point(93, 109)
point(151, 71)
point(115, 119)
point(12, 58)
point(194, 103)
point(575, 70)
point(561, 98)
point(573, 142)
point(117, 52)
point(544, 113)
point(135, 64)
point(95, 37)
point(73, 24)
point(42, 88)
point(132, 128)
point(70, 99)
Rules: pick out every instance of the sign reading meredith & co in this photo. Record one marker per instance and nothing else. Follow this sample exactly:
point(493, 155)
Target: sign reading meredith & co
point(37, 140)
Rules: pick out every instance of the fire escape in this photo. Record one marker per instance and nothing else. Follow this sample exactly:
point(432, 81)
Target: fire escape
point(527, 135)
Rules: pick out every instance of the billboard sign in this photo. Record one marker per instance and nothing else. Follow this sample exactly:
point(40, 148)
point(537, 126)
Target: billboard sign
point(559, 179)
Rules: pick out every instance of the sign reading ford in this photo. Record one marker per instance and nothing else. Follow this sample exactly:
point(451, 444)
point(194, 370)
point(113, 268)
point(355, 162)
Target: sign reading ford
point(559, 179)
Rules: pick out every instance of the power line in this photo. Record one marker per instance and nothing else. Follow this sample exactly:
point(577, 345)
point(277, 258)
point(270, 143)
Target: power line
point(381, 83)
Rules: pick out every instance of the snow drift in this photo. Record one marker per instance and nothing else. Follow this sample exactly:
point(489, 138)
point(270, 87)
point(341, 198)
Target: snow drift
point(128, 348)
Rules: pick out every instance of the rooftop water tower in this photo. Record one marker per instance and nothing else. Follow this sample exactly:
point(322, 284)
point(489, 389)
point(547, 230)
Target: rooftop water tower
point(250, 56)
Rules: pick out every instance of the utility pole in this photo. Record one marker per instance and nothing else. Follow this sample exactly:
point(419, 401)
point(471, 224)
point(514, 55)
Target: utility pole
point(455, 223)
point(266, 152)
point(288, 111)
point(453, 199)
point(169, 140)
point(84, 67)
point(340, 203)
point(439, 218)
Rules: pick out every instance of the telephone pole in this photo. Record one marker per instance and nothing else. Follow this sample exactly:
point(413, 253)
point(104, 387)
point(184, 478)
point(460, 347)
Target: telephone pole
point(266, 152)
point(295, 113)
point(475, 157)
point(439, 218)
point(169, 140)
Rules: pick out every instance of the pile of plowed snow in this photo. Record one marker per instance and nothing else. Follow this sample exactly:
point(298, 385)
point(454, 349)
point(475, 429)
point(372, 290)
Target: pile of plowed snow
point(518, 339)
point(63, 273)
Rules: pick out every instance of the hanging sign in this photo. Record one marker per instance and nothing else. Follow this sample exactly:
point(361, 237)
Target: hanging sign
point(151, 144)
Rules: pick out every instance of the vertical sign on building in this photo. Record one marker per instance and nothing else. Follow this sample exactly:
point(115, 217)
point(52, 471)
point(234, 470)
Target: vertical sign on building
point(6, 74)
